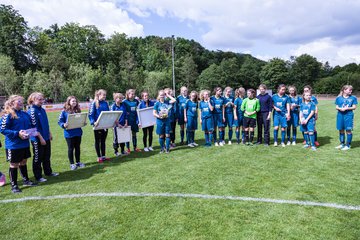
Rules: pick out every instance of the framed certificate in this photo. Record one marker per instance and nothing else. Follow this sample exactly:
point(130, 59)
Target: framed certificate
point(146, 117)
point(123, 134)
point(76, 120)
point(107, 119)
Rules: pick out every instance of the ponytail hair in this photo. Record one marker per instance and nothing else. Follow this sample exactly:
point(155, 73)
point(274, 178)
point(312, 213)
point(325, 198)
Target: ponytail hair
point(96, 97)
point(344, 88)
point(9, 106)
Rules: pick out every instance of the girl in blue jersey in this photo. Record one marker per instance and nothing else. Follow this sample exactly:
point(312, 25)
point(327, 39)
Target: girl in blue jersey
point(147, 131)
point(307, 120)
point(281, 105)
point(308, 89)
point(14, 123)
point(229, 111)
point(72, 136)
point(180, 102)
point(293, 123)
point(239, 114)
point(345, 104)
point(97, 106)
point(219, 116)
point(131, 104)
point(206, 119)
point(190, 118)
point(42, 152)
point(161, 111)
point(118, 105)
point(172, 118)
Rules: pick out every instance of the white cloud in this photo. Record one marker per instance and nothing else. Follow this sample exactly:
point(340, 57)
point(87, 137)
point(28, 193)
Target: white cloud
point(103, 14)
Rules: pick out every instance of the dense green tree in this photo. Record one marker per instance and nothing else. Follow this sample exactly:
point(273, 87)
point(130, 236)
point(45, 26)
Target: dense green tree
point(186, 72)
point(211, 78)
point(154, 81)
point(10, 83)
point(304, 70)
point(274, 73)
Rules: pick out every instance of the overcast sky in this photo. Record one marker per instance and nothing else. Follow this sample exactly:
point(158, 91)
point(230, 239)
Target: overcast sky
point(328, 30)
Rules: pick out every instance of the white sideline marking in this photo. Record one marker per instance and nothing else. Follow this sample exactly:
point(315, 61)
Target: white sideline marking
point(186, 195)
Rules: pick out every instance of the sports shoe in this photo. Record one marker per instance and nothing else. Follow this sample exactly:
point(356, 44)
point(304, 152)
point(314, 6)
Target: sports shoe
point(167, 151)
point(345, 148)
point(313, 148)
point(161, 151)
point(191, 145)
point(221, 144)
point(340, 146)
point(128, 150)
point(117, 154)
point(29, 183)
point(216, 144)
point(73, 167)
point(195, 144)
point(229, 143)
point(2, 180)
point(283, 144)
point(151, 149)
point(304, 142)
point(54, 174)
point(146, 149)
point(80, 165)
point(173, 145)
point(137, 150)
point(100, 160)
point(288, 143)
point(293, 143)
point(106, 158)
point(15, 189)
point(275, 144)
point(317, 143)
point(42, 179)
point(124, 153)
point(306, 146)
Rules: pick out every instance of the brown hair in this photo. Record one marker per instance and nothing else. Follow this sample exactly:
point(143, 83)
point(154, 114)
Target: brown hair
point(68, 108)
point(201, 95)
point(196, 94)
point(252, 91)
point(216, 89)
point(117, 95)
point(262, 86)
point(240, 92)
point(291, 86)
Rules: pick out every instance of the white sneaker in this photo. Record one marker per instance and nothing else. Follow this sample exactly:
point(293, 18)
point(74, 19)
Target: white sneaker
point(293, 143)
point(195, 144)
point(275, 144)
point(117, 154)
point(42, 179)
point(288, 143)
point(191, 145)
point(80, 165)
point(216, 144)
point(151, 149)
point(340, 146)
point(221, 144)
point(345, 148)
point(146, 149)
point(73, 167)
point(229, 143)
point(283, 144)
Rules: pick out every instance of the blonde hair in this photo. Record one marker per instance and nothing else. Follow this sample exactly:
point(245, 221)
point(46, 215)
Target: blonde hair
point(68, 108)
point(240, 92)
point(35, 95)
point(9, 106)
point(343, 88)
point(128, 92)
point(183, 88)
point(291, 86)
point(96, 97)
point(202, 92)
point(226, 89)
point(262, 86)
point(117, 95)
point(160, 91)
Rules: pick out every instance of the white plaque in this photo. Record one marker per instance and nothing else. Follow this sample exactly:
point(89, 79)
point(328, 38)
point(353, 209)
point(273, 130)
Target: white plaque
point(146, 117)
point(108, 119)
point(76, 120)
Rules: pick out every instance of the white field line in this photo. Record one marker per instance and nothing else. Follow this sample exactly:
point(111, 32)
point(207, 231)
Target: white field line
point(186, 195)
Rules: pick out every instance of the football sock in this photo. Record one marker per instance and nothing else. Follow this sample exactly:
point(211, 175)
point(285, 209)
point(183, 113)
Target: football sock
point(167, 143)
point(294, 134)
point(161, 142)
point(251, 136)
point(237, 134)
point(13, 172)
point(288, 131)
point(182, 134)
point(312, 139)
point(24, 172)
point(315, 136)
point(306, 138)
point(349, 139)
point(230, 134)
point(275, 135)
point(342, 138)
point(283, 136)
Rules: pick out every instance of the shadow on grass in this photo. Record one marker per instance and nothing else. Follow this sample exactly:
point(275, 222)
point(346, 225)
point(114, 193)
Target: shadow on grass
point(324, 140)
point(355, 144)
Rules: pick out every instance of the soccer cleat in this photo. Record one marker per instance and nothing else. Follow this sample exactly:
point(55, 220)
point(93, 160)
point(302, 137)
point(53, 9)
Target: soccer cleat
point(106, 158)
point(29, 183)
point(306, 146)
point(146, 149)
point(216, 144)
point(128, 150)
point(54, 174)
point(173, 145)
point(221, 144)
point(229, 143)
point(137, 150)
point(151, 149)
point(317, 143)
point(195, 144)
point(80, 165)
point(345, 148)
point(288, 143)
point(293, 143)
point(340, 146)
point(304, 142)
point(100, 160)
point(313, 148)
point(161, 151)
point(167, 151)
point(191, 145)
point(73, 167)
point(42, 179)
point(15, 189)
point(2, 180)
point(283, 144)
point(275, 144)
point(117, 154)
point(124, 153)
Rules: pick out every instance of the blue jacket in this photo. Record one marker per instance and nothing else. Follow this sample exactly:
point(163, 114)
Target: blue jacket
point(131, 107)
point(94, 112)
point(266, 103)
point(123, 116)
point(40, 120)
point(10, 128)
point(76, 132)
point(142, 104)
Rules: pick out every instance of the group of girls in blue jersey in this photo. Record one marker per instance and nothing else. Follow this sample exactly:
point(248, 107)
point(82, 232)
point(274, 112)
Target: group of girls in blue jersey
point(216, 113)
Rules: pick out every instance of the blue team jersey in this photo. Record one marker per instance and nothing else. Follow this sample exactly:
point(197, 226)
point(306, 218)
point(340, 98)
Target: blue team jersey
point(122, 108)
point(76, 132)
point(218, 104)
point(162, 108)
point(173, 109)
point(306, 108)
point(10, 128)
point(313, 100)
point(295, 101)
point(205, 109)
point(191, 108)
point(280, 102)
point(144, 104)
point(230, 107)
point(346, 102)
point(131, 111)
point(238, 101)
point(94, 112)
point(180, 102)
point(40, 120)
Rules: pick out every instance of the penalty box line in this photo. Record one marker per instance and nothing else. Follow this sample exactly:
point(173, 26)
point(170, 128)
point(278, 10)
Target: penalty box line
point(186, 195)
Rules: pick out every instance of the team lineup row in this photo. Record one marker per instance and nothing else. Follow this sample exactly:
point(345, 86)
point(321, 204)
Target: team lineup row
point(215, 114)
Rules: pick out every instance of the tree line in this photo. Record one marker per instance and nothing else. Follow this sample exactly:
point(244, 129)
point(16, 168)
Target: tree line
point(76, 60)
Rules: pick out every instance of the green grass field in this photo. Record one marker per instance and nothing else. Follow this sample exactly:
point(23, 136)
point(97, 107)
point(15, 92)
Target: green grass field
point(291, 173)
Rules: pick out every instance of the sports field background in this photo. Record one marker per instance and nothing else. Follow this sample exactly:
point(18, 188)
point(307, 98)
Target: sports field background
point(290, 173)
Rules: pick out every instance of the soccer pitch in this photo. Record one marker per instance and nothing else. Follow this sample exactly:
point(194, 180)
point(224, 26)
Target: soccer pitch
point(230, 192)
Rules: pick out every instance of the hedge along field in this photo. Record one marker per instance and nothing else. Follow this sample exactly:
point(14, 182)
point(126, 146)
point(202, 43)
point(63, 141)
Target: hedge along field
point(290, 173)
